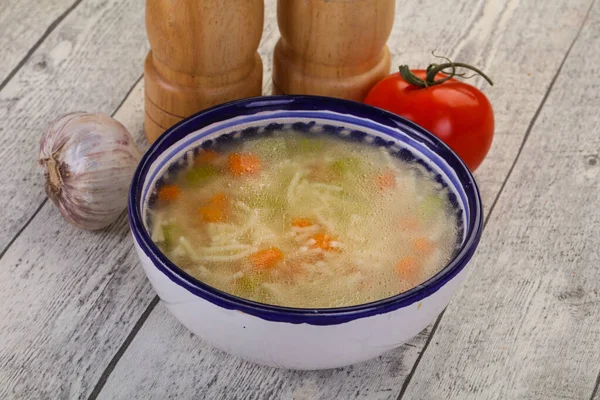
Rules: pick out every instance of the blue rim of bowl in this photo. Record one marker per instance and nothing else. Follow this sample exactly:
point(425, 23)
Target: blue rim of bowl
point(314, 316)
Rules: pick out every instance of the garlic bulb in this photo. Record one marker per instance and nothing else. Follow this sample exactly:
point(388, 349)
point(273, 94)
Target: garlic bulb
point(89, 160)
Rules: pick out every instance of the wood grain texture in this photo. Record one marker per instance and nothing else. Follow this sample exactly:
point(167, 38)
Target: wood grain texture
point(306, 62)
point(525, 323)
point(89, 62)
point(131, 114)
point(63, 318)
point(203, 54)
point(166, 360)
point(68, 309)
point(62, 287)
point(22, 24)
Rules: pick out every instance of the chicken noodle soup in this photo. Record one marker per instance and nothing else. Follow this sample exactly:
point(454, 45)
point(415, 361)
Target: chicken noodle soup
point(304, 220)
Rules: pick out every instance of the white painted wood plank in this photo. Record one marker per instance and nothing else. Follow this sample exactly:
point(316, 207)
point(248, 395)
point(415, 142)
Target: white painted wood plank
point(525, 325)
point(70, 297)
point(22, 24)
point(165, 360)
point(89, 62)
point(131, 114)
point(63, 317)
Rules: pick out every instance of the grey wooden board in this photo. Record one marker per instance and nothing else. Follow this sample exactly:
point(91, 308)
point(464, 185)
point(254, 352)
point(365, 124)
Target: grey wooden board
point(63, 317)
point(22, 24)
point(165, 360)
point(89, 62)
point(131, 114)
point(526, 323)
point(60, 289)
point(70, 296)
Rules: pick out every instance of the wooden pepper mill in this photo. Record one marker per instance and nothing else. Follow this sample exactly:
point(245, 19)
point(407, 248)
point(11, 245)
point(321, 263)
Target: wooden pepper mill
point(332, 47)
point(203, 52)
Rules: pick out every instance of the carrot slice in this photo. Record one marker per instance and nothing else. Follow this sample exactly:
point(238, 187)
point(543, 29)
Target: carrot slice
point(211, 213)
point(206, 156)
point(423, 246)
point(387, 180)
point(408, 269)
point(301, 222)
point(219, 200)
point(322, 241)
point(266, 258)
point(214, 210)
point(168, 193)
point(244, 164)
point(409, 224)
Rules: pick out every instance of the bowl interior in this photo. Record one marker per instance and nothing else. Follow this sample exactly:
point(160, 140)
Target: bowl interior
point(311, 115)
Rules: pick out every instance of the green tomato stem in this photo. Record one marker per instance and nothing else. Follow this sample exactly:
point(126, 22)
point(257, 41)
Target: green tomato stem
point(434, 69)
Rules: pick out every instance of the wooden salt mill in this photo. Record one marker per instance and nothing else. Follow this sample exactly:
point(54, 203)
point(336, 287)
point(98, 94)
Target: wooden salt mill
point(332, 47)
point(203, 52)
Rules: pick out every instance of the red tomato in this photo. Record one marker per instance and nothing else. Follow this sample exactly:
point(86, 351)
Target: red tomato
point(454, 111)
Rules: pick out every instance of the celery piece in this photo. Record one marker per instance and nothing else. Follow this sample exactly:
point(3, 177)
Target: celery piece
point(272, 196)
point(169, 234)
point(302, 145)
point(268, 148)
point(247, 283)
point(348, 165)
point(273, 202)
point(431, 206)
point(199, 174)
point(248, 286)
point(262, 199)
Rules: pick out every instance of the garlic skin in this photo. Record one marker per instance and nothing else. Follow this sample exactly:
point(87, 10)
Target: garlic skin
point(89, 160)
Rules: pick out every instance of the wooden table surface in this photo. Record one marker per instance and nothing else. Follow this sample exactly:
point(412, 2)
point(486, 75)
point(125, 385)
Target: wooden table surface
point(78, 318)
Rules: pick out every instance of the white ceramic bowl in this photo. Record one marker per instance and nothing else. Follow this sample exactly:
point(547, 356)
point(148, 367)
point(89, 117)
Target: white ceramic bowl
point(292, 337)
